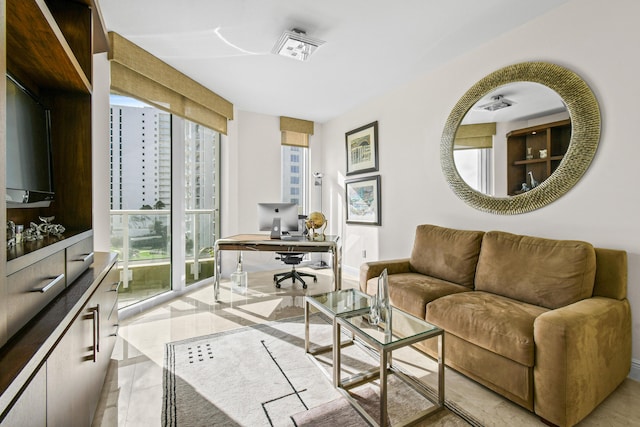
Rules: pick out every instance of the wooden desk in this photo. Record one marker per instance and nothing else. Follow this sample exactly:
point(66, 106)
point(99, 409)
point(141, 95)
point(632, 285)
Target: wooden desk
point(263, 242)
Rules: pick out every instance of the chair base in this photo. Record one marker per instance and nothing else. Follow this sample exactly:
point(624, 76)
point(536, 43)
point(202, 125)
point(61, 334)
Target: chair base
point(294, 275)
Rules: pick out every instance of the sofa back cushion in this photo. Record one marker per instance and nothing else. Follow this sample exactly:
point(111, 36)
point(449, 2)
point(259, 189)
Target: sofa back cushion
point(545, 272)
point(611, 274)
point(446, 253)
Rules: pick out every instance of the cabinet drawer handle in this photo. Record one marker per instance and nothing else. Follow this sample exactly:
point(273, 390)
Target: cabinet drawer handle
point(95, 316)
point(97, 327)
point(86, 257)
point(51, 284)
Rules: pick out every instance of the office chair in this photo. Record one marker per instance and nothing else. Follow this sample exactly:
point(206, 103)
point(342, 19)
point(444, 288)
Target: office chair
point(292, 259)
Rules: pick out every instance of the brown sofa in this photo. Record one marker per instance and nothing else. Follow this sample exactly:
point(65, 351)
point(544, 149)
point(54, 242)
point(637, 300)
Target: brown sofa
point(543, 322)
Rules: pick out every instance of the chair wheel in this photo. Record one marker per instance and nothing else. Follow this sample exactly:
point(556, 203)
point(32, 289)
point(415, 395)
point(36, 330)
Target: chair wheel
point(304, 286)
point(315, 280)
point(277, 285)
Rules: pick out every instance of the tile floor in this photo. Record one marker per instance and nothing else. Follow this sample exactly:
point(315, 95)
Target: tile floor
point(132, 396)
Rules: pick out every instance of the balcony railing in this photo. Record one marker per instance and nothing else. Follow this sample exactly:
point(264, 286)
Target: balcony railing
point(142, 238)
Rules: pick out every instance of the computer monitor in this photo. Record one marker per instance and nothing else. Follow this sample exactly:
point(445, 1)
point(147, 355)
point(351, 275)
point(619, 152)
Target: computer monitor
point(277, 217)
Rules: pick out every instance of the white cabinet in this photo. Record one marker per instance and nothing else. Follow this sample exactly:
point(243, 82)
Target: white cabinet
point(57, 363)
point(79, 257)
point(77, 366)
point(31, 407)
point(32, 288)
point(68, 370)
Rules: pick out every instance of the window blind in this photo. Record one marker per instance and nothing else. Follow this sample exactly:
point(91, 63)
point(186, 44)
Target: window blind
point(474, 136)
point(139, 74)
point(295, 132)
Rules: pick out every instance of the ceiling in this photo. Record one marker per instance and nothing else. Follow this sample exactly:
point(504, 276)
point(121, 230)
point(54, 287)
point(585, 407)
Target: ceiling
point(371, 46)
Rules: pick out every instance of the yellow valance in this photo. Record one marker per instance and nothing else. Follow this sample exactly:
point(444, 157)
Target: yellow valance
point(137, 73)
point(474, 136)
point(295, 132)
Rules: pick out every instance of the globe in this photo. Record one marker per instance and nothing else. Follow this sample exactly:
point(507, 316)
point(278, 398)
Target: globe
point(315, 221)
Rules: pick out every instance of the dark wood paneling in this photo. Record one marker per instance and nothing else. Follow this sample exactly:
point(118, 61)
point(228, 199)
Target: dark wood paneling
point(74, 20)
point(71, 144)
point(37, 51)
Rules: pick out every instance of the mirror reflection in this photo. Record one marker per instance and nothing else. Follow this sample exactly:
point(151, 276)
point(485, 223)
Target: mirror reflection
point(512, 139)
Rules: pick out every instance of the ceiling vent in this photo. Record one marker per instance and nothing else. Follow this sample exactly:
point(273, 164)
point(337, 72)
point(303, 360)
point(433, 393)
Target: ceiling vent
point(498, 102)
point(297, 45)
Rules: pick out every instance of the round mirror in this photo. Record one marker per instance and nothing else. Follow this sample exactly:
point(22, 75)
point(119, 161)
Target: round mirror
point(520, 138)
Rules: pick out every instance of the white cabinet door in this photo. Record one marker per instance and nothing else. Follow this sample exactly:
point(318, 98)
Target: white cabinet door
point(31, 407)
point(77, 366)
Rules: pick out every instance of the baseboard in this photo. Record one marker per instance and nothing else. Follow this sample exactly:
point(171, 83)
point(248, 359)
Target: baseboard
point(635, 369)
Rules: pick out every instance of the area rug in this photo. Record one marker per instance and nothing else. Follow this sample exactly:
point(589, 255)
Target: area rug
point(260, 376)
point(339, 412)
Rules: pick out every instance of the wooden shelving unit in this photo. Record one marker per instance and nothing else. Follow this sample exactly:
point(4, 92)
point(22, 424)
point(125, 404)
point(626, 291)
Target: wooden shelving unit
point(552, 137)
point(49, 48)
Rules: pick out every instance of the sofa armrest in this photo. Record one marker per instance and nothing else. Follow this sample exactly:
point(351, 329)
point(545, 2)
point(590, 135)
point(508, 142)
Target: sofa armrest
point(372, 269)
point(583, 352)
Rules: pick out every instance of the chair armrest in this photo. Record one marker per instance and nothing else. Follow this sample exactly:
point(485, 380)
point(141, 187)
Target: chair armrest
point(373, 269)
point(583, 352)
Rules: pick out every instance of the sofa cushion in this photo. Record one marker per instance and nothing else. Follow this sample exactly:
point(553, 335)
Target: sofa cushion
point(545, 272)
point(611, 274)
point(499, 324)
point(446, 253)
point(412, 292)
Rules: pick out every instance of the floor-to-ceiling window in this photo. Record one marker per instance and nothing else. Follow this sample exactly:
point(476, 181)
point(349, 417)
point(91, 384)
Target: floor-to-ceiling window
point(150, 149)
point(294, 176)
point(476, 168)
point(202, 199)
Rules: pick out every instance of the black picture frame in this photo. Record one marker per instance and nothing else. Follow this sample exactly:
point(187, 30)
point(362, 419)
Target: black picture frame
point(362, 149)
point(363, 201)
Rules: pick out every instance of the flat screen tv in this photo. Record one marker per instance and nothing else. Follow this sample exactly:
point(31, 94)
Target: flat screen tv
point(29, 181)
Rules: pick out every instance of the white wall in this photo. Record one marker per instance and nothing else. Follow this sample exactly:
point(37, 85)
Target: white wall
point(100, 152)
point(596, 40)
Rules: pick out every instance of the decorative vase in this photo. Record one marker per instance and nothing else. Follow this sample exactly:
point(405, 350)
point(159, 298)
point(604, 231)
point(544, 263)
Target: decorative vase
point(529, 153)
point(239, 277)
point(380, 311)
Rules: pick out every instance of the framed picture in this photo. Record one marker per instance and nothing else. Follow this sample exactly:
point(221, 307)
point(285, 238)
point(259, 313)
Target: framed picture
point(362, 149)
point(363, 200)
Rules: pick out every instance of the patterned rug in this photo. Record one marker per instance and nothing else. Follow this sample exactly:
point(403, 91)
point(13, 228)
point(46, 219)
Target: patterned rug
point(260, 376)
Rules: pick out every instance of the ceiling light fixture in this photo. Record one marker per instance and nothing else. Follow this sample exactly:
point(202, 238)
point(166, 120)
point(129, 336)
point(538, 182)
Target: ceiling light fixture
point(296, 44)
point(498, 102)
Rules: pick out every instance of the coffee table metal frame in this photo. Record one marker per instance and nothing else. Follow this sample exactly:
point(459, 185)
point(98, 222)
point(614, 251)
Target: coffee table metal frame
point(332, 305)
point(384, 351)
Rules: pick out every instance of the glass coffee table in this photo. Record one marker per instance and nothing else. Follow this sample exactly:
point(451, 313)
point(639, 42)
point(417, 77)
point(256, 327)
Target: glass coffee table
point(334, 304)
point(405, 330)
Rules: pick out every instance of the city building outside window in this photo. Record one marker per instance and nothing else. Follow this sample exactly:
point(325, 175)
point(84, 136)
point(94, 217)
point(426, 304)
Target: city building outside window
point(143, 218)
point(294, 176)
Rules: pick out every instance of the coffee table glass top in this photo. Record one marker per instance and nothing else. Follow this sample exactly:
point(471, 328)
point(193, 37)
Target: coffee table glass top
point(404, 327)
point(342, 301)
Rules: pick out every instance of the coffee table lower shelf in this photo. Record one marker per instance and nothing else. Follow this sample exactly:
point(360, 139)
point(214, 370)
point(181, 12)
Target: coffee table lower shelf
point(370, 338)
point(374, 374)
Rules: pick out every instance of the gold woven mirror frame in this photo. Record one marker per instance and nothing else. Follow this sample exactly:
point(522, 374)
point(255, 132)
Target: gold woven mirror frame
point(585, 135)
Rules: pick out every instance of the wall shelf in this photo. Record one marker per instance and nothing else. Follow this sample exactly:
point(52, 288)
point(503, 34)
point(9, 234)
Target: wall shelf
point(553, 137)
